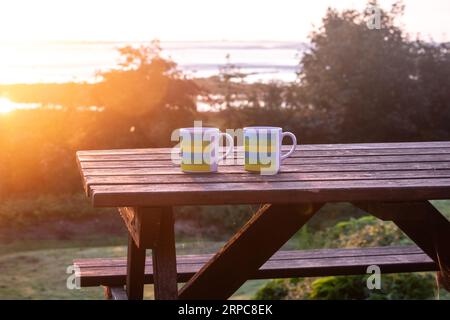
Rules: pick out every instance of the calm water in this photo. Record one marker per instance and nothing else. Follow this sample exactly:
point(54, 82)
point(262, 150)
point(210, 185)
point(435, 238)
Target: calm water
point(79, 61)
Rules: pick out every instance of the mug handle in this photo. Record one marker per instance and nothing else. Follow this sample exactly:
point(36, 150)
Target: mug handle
point(230, 141)
point(294, 143)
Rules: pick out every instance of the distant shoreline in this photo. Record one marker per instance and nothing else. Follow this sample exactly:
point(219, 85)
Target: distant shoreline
point(75, 61)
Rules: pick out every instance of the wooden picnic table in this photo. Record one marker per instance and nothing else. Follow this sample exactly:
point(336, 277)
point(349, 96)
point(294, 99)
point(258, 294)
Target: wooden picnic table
point(392, 181)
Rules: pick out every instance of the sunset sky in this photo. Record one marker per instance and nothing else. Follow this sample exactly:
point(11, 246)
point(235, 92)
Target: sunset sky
point(91, 31)
point(130, 20)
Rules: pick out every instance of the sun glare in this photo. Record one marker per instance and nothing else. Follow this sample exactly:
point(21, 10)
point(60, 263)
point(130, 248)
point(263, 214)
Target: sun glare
point(6, 105)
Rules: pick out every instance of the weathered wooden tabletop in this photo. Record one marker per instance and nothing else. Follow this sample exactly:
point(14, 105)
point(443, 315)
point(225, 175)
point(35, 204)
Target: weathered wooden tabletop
point(392, 181)
point(314, 173)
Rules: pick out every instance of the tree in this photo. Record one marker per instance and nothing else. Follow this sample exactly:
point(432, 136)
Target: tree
point(145, 82)
point(375, 84)
point(146, 96)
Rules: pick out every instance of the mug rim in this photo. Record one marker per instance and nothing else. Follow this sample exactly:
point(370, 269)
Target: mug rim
point(263, 127)
point(201, 129)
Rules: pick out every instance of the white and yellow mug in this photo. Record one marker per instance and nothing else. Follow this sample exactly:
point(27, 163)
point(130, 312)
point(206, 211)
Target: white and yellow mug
point(200, 149)
point(262, 147)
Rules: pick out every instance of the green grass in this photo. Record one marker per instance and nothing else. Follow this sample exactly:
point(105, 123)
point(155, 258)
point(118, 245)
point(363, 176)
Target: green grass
point(36, 269)
point(41, 274)
point(32, 209)
point(443, 206)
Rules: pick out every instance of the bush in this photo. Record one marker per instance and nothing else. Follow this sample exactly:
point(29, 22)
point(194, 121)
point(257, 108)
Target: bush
point(332, 288)
point(393, 287)
point(32, 209)
point(273, 290)
point(224, 218)
point(364, 231)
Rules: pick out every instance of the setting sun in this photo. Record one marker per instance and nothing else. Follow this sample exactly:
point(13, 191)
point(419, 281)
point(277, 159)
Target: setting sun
point(6, 105)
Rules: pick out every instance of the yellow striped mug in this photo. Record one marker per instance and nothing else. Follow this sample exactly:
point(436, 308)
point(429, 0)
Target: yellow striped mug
point(200, 149)
point(262, 147)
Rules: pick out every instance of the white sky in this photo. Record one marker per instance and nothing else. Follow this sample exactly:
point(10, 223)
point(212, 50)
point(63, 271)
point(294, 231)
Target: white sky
point(134, 20)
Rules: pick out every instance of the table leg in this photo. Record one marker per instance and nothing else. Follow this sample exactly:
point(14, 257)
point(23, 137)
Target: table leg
point(135, 270)
point(164, 259)
point(247, 251)
point(151, 228)
point(424, 225)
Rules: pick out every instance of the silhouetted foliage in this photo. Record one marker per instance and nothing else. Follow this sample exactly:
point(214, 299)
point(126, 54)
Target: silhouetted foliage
point(136, 105)
point(376, 84)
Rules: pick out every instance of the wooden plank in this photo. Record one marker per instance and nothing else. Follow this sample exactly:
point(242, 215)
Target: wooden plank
point(135, 271)
point(164, 259)
point(298, 263)
point(309, 147)
point(123, 151)
point(345, 167)
point(273, 185)
point(430, 230)
point(154, 155)
point(284, 176)
point(432, 235)
point(106, 265)
point(276, 192)
point(245, 177)
point(143, 224)
point(286, 269)
point(296, 157)
point(127, 164)
point(130, 157)
point(289, 161)
point(420, 221)
point(132, 222)
point(251, 247)
point(107, 292)
point(150, 228)
point(103, 263)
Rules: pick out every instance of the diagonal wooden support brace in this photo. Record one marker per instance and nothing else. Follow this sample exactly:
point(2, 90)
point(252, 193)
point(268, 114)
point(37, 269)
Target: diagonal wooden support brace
point(265, 233)
point(423, 224)
point(139, 219)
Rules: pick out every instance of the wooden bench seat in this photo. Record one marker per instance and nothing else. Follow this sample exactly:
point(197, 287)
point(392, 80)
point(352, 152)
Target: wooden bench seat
point(284, 264)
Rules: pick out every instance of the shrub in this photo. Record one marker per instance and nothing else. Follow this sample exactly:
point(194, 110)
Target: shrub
point(273, 290)
point(365, 231)
point(227, 219)
point(393, 287)
point(31, 209)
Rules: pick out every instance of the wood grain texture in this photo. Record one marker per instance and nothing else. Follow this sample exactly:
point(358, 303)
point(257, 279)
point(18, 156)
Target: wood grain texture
point(424, 225)
point(135, 271)
point(303, 147)
point(274, 192)
point(251, 247)
point(143, 224)
point(150, 228)
point(164, 259)
point(304, 167)
point(138, 161)
point(373, 176)
point(283, 264)
point(314, 173)
point(420, 221)
point(281, 177)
